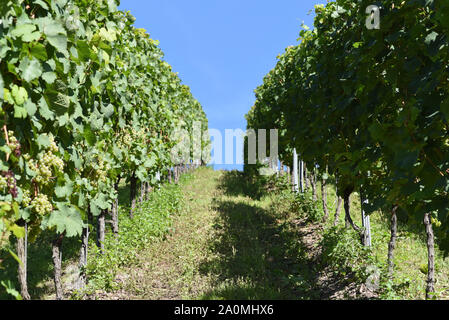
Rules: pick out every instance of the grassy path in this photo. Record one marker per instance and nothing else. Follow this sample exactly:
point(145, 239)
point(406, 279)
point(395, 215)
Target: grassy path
point(224, 245)
point(169, 269)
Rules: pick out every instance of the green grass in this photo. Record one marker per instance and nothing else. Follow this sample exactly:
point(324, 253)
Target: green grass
point(171, 269)
point(250, 215)
point(258, 255)
point(228, 236)
point(151, 222)
point(409, 281)
point(256, 247)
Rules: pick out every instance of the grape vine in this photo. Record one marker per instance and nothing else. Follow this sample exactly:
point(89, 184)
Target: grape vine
point(371, 107)
point(86, 100)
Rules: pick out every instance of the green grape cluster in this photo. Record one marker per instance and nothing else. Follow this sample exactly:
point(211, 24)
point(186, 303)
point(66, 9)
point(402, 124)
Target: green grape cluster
point(14, 144)
point(47, 164)
point(8, 181)
point(41, 204)
point(3, 183)
point(131, 136)
point(101, 172)
point(53, 147)
point(26, 198)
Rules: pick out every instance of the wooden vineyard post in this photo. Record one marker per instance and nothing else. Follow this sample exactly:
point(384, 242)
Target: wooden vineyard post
point(57, 261)
point(22, 245)
point(393, 238)
point(101, 231)
point(133, 194)
point(82, 280)
point(115, 209)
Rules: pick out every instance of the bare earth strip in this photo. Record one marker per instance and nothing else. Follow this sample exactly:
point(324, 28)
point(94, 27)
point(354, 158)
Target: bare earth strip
point(169, 269)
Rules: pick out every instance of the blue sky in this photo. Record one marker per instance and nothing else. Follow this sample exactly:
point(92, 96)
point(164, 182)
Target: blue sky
point(222, 49)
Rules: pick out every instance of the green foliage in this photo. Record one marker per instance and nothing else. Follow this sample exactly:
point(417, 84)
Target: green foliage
point(277, 184)
point(85, 98)
point(11, 290)
point(151, 222)
point(304, 205)
point(377, 119)
point(282, 203)
point(344, 253)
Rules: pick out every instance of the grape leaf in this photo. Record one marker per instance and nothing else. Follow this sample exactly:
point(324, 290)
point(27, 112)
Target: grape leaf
point(30, 107)
point(43, 140)
point(39, 51)
point(64, 191)
point(55, 34)
point(31, 69)
point(65, 219)
point(20, 112)
point(49, 77)
point(34, 36)
point(23, 30)
point(44, 110)
point(19, 94)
